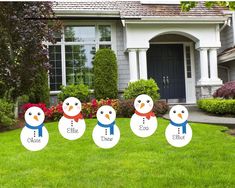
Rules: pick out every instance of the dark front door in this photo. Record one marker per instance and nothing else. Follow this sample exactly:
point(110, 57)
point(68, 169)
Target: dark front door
point(166, 66)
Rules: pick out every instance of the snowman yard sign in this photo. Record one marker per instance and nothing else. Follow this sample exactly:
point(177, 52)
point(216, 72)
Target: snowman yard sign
point(34, 136)
point(72, 125)
point(178, 133)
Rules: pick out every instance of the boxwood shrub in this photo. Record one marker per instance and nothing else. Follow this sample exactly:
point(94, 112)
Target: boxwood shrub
point(105, 74)
point(217, 105)
point(79, 91)
point(136, 88)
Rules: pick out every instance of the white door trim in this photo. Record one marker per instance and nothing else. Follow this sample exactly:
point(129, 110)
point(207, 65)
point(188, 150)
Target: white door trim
point(190, 91)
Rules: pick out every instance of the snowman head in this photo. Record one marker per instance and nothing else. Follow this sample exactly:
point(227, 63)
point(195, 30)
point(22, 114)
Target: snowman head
point(143, 103)
point(34, 116)
point(178, 114)
point(72, 106)
point(106, 114)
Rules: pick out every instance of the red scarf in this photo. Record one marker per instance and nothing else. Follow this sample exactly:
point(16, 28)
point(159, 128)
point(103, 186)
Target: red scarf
point(147, 115)
point(76, 118)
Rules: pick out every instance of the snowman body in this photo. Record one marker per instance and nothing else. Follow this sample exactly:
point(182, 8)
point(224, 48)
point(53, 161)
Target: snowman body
point(143, 126)
point(31, 140)
point(176, 137)
point(103, 138)
point(71, 129)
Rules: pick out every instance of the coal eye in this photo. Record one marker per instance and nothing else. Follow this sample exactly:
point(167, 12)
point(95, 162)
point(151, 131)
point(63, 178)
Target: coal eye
point(30, 113)
point(174, 111)
point(148, 101)
point(101, 112)
point(76, 104)
point(139, 101)
point(110, 112)
point(67, 103)
point(182, 111)
point(39, 113)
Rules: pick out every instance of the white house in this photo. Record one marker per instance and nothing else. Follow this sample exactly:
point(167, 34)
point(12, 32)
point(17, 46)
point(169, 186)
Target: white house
point(177, 49)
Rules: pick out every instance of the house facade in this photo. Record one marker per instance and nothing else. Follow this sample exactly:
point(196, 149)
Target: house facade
point(177, 49)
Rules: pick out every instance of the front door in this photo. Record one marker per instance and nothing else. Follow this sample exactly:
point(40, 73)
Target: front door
point(166, 66)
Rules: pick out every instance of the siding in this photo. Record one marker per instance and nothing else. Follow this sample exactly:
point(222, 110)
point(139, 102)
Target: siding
point(122, 58)
point(197, 65)
point(226, 38)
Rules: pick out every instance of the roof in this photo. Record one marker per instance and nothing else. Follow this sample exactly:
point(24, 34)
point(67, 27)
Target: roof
point(227, 55)
point(134, 9)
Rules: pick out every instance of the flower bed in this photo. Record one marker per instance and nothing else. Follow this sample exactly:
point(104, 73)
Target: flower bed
point(124, 108)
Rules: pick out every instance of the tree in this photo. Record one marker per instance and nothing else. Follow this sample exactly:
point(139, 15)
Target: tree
point(105, 74)
point(187, 5)
point(23, 27)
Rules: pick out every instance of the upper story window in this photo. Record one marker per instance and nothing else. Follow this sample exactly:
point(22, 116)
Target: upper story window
point(77, 49)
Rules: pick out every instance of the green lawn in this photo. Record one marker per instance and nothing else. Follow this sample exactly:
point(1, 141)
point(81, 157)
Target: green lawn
point(208, 161)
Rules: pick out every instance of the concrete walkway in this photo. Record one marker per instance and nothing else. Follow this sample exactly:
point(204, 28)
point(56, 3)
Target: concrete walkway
point(196, 115)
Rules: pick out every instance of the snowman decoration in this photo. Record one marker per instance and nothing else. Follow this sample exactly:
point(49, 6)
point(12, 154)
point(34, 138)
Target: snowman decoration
point(106, 134)
point(34, 135)
point(178, 132)
point(72, 125)
point(143, 121)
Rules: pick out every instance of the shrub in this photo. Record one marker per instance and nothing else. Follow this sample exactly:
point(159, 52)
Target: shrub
point(6, 113)
point(126, 108)
point(136, 88)
point(105, 74)
point(80, 91)
point(227, 91)
point(89, 109)
point(40, 93)
point(217, 106)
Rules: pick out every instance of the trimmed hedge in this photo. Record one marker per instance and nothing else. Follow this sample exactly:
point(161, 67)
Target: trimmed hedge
point(105, 74)
point(80, 91)
point(139, 87)
point(217, 106)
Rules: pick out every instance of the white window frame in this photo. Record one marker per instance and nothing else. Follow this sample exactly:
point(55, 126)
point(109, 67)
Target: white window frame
point(62, 43)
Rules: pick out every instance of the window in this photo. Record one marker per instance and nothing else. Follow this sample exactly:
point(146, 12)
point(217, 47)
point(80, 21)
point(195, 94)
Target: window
point(75, 52)
point(188, 62)
point(56, 67)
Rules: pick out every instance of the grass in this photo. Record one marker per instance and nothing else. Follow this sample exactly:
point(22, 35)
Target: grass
point(208, 161)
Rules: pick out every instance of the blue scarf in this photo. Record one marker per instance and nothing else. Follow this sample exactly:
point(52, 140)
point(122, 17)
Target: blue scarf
point(39, 127)
point(110, 126)
point(183, 125)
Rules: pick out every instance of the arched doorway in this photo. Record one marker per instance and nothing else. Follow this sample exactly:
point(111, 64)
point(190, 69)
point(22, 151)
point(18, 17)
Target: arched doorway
point(170, 62)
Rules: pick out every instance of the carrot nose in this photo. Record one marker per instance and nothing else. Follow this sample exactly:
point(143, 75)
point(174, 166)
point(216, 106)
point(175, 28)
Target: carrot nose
point(142, 105)
point(180, 115)
point(70, 108)
point(35, 117)
point(107, 116)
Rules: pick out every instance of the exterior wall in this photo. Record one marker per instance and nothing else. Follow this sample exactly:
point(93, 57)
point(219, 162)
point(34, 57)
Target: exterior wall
point(122, 58)
point(226, 37)
point(197, 65)
point(232, 70)
point(205, 35)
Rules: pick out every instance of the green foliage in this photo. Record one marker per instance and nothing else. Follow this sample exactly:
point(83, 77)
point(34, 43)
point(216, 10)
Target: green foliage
point(80, 91)
point(148, 87)
point(126, 108)
point(217, 106)
point(187, 5)
point(105, 74)
point(39, 92)
point(6, 113)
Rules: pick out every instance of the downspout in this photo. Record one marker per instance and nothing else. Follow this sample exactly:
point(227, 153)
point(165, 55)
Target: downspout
point(226, 23)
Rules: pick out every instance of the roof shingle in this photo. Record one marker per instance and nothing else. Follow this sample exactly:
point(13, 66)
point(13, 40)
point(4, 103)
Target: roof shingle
point(135, 9)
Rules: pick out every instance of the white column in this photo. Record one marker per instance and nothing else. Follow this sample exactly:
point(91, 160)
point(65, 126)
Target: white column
point(203, 67)
point(133, 65)
point(213, 66)
point(143, 64)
